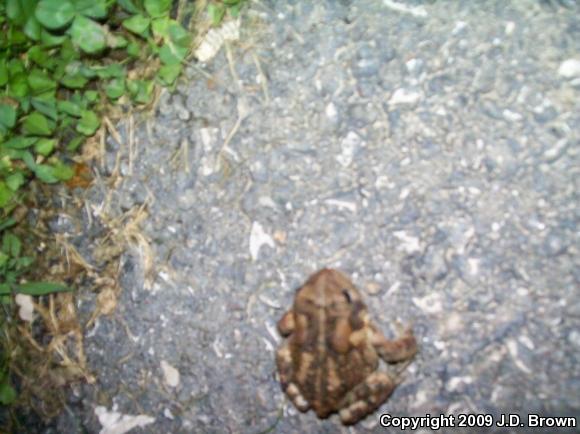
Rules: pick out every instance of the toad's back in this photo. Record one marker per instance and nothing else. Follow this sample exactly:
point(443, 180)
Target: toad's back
point(327, 361)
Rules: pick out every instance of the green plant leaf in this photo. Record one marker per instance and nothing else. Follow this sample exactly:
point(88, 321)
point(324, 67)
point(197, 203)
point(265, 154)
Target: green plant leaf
point(24, 262)
point(69, 53)
point(85, 71)
point(5, 288)
point(62, 171)
point(32, 28)
point(16, 37)
point(216, 13)
point(23, 155)
point(69, 107)
point(74, 67)
point(128, 6)
point(15, 181)
point(45, 146)
point(36, 124)
point(77, 98)
point(171, 54)
point(138, 24)
point(90, 96)
point(7, 223)
point(5, 194)
point(11, 245)
point(41, 288)
point(113, 70)
point(28, 7)
point(49, 39)
point(89, 35)
point(234, 10)
point(7, 115)
point(6, 300)
point(40, 82)
point(45, 173)
point(115, 88)
point(116, 41)
point(3, 72)
point(159, 26)
point(14, 12)
point(157, 8)
point(67, 124)
point(76, 81)
point(40, 56)
point(25, 104)
point(141, 90)
point(16, 66)
point(168, 73)
point(89, 123)
point(55, 14)
point(133, 49)
point(20, 142)
point(7, 393)
point(178, 34)
point(46, 107)
point(92, 8)
point(75, 143)
point(18, 85)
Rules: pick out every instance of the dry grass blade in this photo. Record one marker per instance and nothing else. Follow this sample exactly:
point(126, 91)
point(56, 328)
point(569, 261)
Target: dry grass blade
point(50, 353)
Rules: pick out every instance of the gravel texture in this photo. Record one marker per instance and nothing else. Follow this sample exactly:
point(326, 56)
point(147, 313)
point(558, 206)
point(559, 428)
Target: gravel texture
point(427, 148)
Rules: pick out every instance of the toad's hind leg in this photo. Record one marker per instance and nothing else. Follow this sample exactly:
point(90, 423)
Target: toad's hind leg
point(392, 351)
point(285, 370)
point(366, 397)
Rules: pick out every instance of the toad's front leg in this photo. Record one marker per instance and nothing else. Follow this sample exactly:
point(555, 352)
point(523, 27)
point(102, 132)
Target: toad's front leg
point(366, 397)
point(286, 325)
point(286, 372)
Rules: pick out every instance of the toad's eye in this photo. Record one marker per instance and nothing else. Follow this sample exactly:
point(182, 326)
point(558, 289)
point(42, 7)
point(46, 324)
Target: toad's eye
point(346, 295)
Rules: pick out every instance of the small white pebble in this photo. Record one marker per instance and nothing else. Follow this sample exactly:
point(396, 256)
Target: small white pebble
point(512, 116)
point(525, 340)
point(455, 382)
point(522, 292)
point(170, 374)
point(404, 96)
point(569, 68)
point(509, 27)
point(331, 111)
point(26, 311)
point(459, 26)
point(258, 238)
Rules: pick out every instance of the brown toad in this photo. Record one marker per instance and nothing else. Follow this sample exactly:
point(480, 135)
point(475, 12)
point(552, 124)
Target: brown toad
point(329, 361)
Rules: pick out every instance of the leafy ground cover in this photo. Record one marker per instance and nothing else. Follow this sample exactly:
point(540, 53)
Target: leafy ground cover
point(64, 65)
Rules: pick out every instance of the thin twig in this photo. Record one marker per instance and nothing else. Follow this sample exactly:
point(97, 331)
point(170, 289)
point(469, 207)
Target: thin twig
point(262, 77)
